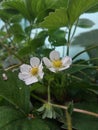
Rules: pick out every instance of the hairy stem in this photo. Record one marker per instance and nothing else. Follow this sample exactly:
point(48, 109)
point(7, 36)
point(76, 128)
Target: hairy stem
point(77, 110)
point(38, 98)
point(68, 118)
point(68, 42)
point(49, 99)
point(74, 29)
point(65, 107)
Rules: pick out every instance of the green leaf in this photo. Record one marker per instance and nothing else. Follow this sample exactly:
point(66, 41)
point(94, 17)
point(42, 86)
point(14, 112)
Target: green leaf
point(35, 124)
point(85, 23)
point(86, 122)
point(77, 7)
point(55, 19)
point(18, 5)
point(93, 91)
point(57, 38)
point(34, 44)
point(86, 39)
point(53, 124)
point(11, 119)
point(93, 9)
point(40, 8)
point(15, 92)
point(36, 8)
point(8, 115)
point(76, 67)
point(17, 31)
point(7, 16)
point(54, 4)
point(4, 15)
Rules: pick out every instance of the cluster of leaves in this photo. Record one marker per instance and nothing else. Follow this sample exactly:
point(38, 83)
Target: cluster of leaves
point(27, 26)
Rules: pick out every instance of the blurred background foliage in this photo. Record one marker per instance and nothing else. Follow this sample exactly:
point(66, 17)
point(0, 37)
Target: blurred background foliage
point(35, 28)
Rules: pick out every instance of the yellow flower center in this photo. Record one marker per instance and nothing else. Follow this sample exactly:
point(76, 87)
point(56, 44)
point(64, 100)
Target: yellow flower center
point(34, 71)
point(57, 63)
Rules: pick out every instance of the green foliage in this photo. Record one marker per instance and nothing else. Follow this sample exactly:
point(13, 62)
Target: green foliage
point(86, 122)
point(56, 19)
point(17, 31)
point(57, 38)
point(15, 115)
point(75, 9)
point(67, 16)
point(25, 124)
point(15, 92)
point(18, 5)
point(85, 23)
point(86, 39)
point(34, 44)
point(33, 28)
point(48, 111)
point(94, 9)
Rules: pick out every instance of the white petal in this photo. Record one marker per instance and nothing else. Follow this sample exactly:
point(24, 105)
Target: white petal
point(40, 69)
point(53, 70)
point(67, 61)
point(34, 61)
point(41, 74)
point(25, 68)
point(24, 76)
point(31, 80)
point(54, 55)
point(66, 67)
point(47, 62)
point(40, 66)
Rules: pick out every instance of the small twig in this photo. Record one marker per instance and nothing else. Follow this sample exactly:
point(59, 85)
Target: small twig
point(12, 67)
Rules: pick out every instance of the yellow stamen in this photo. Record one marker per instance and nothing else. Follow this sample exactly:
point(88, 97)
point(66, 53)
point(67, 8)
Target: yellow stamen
point(34, 71)
point(57, 63)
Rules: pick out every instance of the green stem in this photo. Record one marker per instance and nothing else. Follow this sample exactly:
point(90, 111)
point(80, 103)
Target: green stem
point(49, 98)
point(77, 78)
point(68, 42)
point(88, 49)
point(65, 107)
point(91, 59)
point(74, 29)
point(68, 118)
point(77, 110)
point(86, 75)
point(70, 37)
point(38, 98)
point(86, 66)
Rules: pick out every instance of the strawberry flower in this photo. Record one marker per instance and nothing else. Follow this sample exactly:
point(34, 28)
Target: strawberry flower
point(31, 73)
point(56, 64)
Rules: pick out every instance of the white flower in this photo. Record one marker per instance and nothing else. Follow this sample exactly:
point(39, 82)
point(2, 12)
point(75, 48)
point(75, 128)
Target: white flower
point(55, 63)
point(31, 73)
